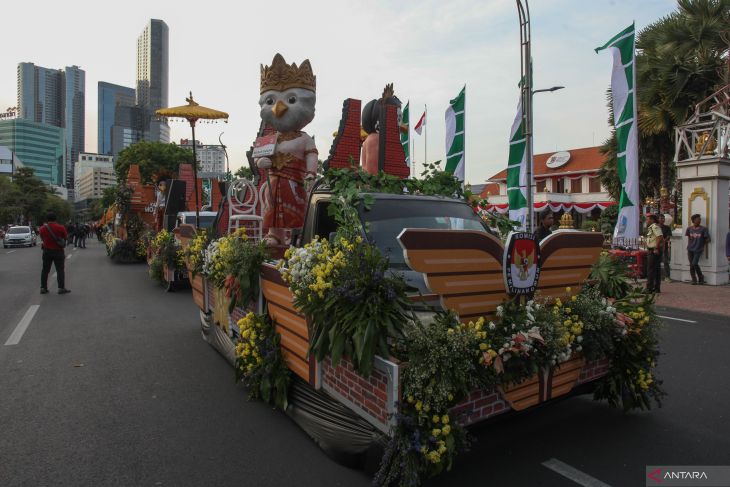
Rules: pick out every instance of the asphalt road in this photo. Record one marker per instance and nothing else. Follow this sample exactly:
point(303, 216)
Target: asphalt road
point(112, 385)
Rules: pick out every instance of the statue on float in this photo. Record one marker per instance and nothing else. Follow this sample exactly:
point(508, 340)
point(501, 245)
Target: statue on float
point(371, 119)
point(289, 156)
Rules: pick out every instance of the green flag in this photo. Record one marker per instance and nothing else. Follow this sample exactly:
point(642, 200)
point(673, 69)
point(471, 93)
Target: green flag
point(405, 136)
point(517, 169)
point(623, 81)
point(455, 162)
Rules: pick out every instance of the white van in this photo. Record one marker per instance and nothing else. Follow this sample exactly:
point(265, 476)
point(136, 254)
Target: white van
point(205, 219)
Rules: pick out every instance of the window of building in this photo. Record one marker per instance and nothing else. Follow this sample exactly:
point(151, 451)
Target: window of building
point(594, 185)
point(541, 186)
point(576, 185)
point(560, 185)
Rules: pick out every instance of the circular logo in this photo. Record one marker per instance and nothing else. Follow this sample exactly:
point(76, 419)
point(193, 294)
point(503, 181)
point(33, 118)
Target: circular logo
point(559, 159)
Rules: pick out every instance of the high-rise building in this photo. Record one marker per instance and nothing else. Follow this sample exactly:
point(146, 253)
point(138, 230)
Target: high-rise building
point(111, 98)
point(211, 158)
point(152, 77)
point(40, 146)
point(55, 97)
point(94, 173)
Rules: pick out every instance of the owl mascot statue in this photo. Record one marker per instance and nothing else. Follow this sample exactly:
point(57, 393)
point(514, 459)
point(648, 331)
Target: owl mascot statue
point(287, 105)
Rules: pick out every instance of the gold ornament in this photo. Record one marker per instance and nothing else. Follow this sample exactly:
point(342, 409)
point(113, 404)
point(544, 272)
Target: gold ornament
point(566, 221)
point(281, 76)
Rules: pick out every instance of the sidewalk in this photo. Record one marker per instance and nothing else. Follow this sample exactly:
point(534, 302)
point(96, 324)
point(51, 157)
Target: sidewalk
point(706, 299)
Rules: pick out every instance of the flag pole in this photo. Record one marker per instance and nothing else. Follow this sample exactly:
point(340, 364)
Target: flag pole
point(425, 135)
point(463, 183)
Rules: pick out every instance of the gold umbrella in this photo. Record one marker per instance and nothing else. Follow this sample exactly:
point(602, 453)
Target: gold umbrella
point(192, 112)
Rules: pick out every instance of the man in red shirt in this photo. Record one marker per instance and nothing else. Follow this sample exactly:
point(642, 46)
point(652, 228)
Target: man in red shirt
point(54, 238)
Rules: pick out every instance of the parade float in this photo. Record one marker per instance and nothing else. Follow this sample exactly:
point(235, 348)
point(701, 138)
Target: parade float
point(395, 319)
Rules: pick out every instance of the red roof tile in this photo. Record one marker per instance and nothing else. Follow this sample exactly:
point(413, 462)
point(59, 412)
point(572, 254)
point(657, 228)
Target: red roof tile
point(490, 189)
point(586, 160)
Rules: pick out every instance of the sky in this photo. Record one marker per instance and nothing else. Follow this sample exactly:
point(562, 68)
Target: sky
point(429, 49)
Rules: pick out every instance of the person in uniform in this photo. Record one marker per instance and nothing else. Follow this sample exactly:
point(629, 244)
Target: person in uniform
point(654, 246)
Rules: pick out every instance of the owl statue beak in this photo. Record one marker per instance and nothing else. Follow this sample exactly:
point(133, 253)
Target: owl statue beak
point(279, 109)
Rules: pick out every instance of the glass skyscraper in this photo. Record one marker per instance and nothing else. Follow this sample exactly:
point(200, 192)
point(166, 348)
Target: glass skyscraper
point(55, 97)
point(111, 99)
point(40, 146)
point(152, 77)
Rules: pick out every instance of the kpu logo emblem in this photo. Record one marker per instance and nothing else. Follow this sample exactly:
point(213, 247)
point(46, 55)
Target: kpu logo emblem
point(521, 263)
point(655, 475)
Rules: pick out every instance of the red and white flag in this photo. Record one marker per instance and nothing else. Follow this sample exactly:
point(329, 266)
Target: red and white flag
point(421, 123)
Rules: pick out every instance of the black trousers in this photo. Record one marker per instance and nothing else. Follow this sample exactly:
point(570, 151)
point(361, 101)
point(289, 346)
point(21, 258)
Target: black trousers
point(653, 271)
point(57, 258)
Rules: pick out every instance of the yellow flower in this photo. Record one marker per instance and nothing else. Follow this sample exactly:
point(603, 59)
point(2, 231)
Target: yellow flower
point(435, 419)
point(410, 399)
point(567, 289)
point(574, 298)
point(419, 405)
point(445, 417)
point(451, 397)
point(436, 432)
point(446, 429)
point(483, 346)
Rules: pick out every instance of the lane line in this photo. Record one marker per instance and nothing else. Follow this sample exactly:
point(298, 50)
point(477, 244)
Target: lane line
point(22, 325)
point(9, 251)
point(69, 256)
point(580, 478)
point(677, 319)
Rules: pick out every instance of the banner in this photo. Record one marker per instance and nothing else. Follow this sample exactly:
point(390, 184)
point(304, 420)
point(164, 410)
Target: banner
point(405, 134)
point(517, 170)
point(455, 139)
point(623, 81)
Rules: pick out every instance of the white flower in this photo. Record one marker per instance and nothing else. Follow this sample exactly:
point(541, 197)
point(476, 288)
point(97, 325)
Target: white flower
point(500, 310)
point(578, 348)
point(492, 326)
point(579, 338)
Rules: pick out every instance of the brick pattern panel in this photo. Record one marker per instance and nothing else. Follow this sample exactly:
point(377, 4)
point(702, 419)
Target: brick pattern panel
point(394, 162)
point(480, 405)
point(369, 395)
point(347, 143)
point(211, 294)
point(593, 370)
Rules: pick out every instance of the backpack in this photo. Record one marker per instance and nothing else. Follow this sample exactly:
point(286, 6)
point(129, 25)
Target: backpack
point(61, 242)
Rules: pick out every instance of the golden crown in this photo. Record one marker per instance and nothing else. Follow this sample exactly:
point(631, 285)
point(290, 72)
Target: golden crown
point(281, 76)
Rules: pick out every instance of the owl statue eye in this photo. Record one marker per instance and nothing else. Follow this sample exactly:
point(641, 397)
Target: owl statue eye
point(269, 100)
point(292, 99)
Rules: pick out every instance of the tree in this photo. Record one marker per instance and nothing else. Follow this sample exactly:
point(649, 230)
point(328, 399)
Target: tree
point(10, 210)
point(682, 59)
point(153, 158)
point(244, 172)
point(33, 194)
point(108, 196)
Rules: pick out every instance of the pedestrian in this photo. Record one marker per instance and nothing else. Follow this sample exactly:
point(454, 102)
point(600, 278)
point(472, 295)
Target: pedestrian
point(666, 249)
point(546, 220)
point(82, 232)
point(53, 238)
point(698, 236)
point(654, 245)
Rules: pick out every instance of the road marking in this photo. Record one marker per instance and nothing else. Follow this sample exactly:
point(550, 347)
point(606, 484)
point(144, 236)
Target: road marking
point(23, 325)
point(69, 256)
point(678, 319)
point(580, 478)
point(9, 251)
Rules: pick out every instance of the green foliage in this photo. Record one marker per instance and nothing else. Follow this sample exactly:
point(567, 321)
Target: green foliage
point(630, 383)
point(442, 369)
point(260, 364)
point(353, 303)
point(109, 196)
point(611, 276)
point(27, 199)
point(244, 172)
point(157, 269)
point(153, 158)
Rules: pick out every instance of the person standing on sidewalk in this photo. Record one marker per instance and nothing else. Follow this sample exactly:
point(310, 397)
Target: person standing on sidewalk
point(666, 250)
point(53, 237)
point(654, 245)
point(698, 237)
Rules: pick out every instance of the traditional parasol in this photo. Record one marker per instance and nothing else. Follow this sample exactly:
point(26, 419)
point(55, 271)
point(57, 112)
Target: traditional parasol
point(192, 112)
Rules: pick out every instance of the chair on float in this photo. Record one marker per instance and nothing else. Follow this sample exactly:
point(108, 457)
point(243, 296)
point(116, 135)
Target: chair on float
point(245, 208)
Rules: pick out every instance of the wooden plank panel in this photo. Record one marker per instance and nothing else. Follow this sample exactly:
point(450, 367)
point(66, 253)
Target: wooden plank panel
point(285, 318)
point(567, 277)
point(452, 260)
point(293, 343)
point(296, 364)
point(278, 294)
point(572, 257)
point(481, 304)
point(466, 283)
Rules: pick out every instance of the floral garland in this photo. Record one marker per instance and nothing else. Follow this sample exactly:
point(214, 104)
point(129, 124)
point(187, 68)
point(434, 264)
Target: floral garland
point(260, 364)
point(194, 253)
point(233, 263)
point(446, 360)
point(353, 304)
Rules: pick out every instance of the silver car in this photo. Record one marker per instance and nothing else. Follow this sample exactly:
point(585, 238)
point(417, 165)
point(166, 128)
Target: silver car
point(19, 237)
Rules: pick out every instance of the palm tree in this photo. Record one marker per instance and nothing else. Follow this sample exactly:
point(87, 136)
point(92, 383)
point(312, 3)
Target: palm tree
point(681, 59)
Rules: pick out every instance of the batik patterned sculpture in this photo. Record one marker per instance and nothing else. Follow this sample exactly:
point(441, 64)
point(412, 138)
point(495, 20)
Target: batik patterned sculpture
point(287, 105)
